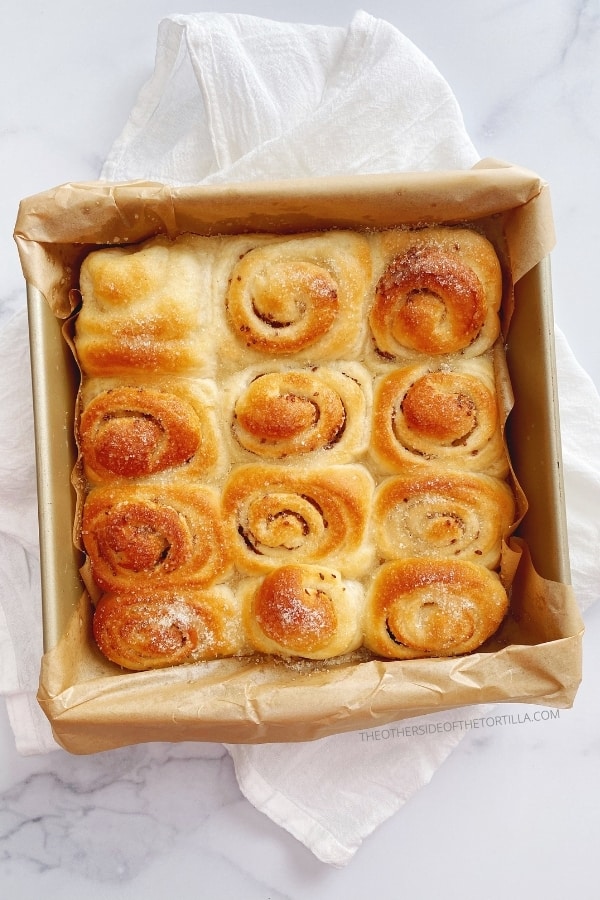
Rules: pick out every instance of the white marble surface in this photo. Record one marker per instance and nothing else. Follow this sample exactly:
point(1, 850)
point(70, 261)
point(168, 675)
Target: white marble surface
point(515, 809)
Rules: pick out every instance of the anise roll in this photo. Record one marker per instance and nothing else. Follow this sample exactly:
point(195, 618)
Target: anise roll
point(439, 293)
point(317, 413)
point(458, 515)
point(274, 515)
point(160, 535)
point(137, 430)
point(147, 308)
point(303, 611)
point(419, 607)
point(151, 629)
point(300, 297)
point(447, 415)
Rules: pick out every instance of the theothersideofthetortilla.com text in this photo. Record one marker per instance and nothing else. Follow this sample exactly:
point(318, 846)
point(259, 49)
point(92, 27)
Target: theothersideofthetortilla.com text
point(418, 729)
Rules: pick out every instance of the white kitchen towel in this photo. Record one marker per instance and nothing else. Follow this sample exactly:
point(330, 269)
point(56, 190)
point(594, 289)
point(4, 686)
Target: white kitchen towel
point(233, 98)
point(334, 793)
point(236, 98)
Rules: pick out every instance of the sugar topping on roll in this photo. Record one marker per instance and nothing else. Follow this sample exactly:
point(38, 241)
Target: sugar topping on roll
point(292, 445)
point(303, 611)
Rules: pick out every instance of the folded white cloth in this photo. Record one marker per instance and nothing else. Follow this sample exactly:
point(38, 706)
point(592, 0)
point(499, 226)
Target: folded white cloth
point(234, 98)
point(335, 792)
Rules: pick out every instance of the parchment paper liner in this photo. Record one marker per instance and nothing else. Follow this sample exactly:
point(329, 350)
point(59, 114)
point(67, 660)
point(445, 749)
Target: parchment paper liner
point(536, 655)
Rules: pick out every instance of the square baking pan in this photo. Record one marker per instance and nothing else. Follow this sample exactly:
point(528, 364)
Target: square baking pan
point(536, 657)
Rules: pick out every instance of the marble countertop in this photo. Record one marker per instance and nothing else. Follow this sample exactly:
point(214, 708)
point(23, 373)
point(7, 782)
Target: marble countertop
point(515, 808)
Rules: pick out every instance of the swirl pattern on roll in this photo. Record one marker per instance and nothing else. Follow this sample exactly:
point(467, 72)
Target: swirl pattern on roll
point(139, 430)
point(303, 611)
point(302, 296)
point(151, 629)
point(241, 397)
point(274, 516)
point(159, 535)
point(447, 415)
point(439, 293)
point(418, 607)
point(443, 514)
point(295, 413)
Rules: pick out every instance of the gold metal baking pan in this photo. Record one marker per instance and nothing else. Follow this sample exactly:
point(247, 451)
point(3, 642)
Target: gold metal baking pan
point(537, 657)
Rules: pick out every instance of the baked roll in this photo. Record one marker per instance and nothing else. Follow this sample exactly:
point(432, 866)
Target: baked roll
point(303, 611)
point(274, 516)
point(300, 297)
point(419, 607)
point(231, 435)
point(135, 430)
point(147, 308)
point(458, 515)
point(151, 629)
point(291, 414)
point(154, 535)
point(448, 415)
point(439, 293)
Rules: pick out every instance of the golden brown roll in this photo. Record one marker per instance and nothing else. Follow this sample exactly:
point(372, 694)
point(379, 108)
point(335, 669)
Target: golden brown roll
point(147, 308)
point(151, 628)
point(447, 415)
point(439, 293)
point(300, 297)
point(154, 535)
point(242, 395)
point(418, 607)
point(312, 414)
point(303, 611)
point(443, 514)
point(136, 430)
point(274, 516)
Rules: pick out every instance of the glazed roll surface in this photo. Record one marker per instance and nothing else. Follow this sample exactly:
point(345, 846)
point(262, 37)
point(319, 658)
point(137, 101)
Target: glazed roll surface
point(439, 292)
point(274, 516)
point(303, 611)
point(300, 297)
point(147, 308)
point(137, 430)
point(319, 413)
point(418, 607)
point(152, 629)
point(447, 415)
point(160, 535)
point(292, 444)
point(443, 514)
